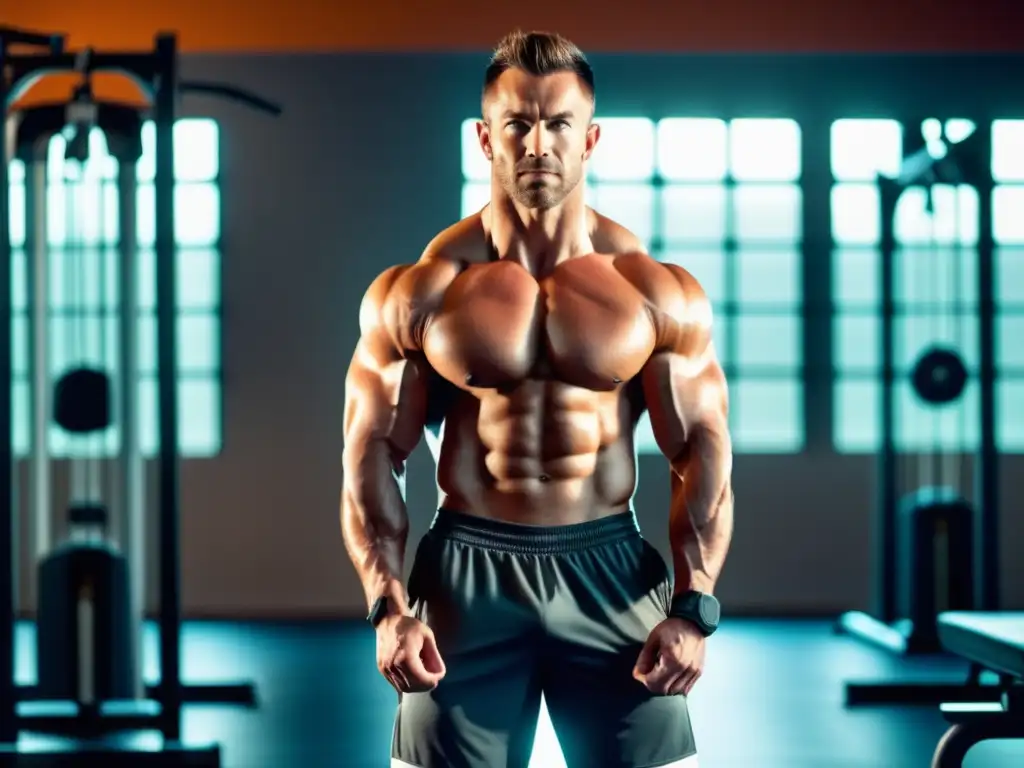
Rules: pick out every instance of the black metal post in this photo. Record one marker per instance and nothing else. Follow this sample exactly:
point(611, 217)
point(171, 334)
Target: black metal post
point(986, 468)
point(8, 699)
point(167, 376)
point(886, 486)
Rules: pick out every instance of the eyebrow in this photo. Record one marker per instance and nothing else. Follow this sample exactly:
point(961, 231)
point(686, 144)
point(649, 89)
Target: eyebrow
point(511, 114)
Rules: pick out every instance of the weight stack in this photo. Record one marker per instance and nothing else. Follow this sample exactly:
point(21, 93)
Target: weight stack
point(935, 556)
point(83, 637)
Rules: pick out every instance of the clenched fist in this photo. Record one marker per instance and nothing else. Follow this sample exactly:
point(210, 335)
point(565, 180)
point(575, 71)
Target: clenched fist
point(407, 654)
point(672, 659)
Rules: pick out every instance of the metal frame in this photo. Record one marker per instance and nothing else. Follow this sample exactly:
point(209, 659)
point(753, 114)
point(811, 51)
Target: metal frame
point(156, 72)
point(884, 629)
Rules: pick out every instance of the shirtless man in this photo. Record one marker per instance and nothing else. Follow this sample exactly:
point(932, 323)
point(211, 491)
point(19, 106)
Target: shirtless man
point(527, 341)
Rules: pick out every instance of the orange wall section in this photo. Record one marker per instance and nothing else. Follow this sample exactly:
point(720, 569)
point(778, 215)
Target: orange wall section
point(729, 26)
point(466, 25)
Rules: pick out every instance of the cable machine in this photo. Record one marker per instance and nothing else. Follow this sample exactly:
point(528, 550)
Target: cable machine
point(937, 541)
point(91, 584)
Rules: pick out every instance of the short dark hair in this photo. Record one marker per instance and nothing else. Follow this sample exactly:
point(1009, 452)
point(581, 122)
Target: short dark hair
point(539, 53)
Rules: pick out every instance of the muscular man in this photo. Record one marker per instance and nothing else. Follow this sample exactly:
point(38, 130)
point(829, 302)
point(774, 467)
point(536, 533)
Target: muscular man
point(528, 340)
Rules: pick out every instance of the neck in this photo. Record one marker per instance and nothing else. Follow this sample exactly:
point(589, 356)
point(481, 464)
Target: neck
point(538, 239)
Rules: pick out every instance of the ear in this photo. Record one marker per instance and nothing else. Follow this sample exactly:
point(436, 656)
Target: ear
point(483, 134)
point(593, 136)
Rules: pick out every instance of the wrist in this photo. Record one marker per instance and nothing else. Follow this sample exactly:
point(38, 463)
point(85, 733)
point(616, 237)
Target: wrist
point(393, 593)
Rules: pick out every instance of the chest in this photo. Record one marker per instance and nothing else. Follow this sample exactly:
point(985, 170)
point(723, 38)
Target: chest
point(585, 325)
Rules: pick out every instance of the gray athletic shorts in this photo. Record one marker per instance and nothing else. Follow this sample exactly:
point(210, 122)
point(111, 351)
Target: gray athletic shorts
point(520, 610)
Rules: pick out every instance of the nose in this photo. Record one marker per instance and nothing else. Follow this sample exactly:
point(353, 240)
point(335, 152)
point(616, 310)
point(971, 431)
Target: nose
point(536, 144)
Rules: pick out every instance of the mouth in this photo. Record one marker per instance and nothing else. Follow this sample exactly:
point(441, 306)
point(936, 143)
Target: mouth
point(537, 173)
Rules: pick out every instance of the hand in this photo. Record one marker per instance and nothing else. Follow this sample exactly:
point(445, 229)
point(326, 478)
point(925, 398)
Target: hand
point(672, 659)
point(407, 654)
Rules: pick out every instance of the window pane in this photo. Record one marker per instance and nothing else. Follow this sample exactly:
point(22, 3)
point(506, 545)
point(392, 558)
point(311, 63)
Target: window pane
point(721, 327)
point(200, 416)
point(856, 273)
point(198, 344)
point(1010, 343)
point(632, 205)
point(475, 166)
point(855, 420)
point(767, 213)
point(1008, 150)
point(19, 345)
point(145, 216)
point(82, 341)
point(625, 151)
point(856, 214)
point(16, 201)
point(694, 214)
point(1009, 277)
point(16, 172)
point(768, 342)
point(921, 426)
point(1007, 221)
point(864, 149)
point(198, 278)
point(692, 149)
point(146, 330)
point(56, 214)
point(857, 343)
point(196, 149)
point(19, 281)
point(643, 438)
point(708, 266)
point(768, 277)
point(915, 335)
point(954, 218)
point(21, 417)
point(764, 149)
point(196, 214)
point(474, 197)
point(149, 420)
point(936, 278)
point(767, 415)
point(83, 280)
point(1010, 410)
point(100, 164)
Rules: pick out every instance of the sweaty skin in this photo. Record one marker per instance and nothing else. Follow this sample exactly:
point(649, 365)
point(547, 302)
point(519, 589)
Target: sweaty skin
point(539, 378)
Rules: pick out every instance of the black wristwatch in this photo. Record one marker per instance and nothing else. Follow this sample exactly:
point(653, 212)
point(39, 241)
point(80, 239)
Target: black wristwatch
point(702, 609)
point(378, 611)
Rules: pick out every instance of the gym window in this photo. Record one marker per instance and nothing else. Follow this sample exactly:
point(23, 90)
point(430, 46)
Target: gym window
point(722, 199)
point(935, 287)
point(82, 229)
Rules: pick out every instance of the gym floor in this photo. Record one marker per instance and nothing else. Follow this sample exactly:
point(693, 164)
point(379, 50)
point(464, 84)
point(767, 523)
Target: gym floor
point(771, 698)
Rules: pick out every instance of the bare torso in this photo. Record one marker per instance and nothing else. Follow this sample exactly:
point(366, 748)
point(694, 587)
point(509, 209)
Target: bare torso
point(535, 377)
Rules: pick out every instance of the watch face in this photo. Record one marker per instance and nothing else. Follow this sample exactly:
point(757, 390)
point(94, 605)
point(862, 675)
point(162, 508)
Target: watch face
point(710, 610)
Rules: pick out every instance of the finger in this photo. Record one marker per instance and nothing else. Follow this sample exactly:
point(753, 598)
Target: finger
point(661, 677)
point(399, 679)
point(647, 659)
point(431, 656)
point(664, 685)
point(682, 684)
point(692, 681)
point(418, 675)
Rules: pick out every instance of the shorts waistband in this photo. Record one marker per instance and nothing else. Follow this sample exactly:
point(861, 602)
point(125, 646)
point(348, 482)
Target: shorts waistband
point(533, 539)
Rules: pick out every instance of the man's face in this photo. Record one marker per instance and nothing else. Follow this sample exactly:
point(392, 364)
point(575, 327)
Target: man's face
point(538, 135)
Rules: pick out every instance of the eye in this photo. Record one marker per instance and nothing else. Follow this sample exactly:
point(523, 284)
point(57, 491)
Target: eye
point(558, 125)
point(517, 126)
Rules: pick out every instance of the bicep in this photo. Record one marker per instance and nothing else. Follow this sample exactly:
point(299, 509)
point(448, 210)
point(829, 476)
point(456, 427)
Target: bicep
point(686, 398)
point(385, 400)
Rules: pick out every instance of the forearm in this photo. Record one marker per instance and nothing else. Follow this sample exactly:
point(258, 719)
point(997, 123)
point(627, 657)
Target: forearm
point(701, 515)
point(374, 522)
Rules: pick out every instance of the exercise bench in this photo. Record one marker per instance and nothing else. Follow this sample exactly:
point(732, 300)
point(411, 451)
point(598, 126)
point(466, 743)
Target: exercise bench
point(993, 642)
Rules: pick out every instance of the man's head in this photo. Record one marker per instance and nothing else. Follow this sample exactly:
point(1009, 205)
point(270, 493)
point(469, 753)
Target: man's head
point(538, 103)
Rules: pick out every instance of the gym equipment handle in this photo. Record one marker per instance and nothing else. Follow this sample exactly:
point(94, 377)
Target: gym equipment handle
point(231, 92)
point(15, 36)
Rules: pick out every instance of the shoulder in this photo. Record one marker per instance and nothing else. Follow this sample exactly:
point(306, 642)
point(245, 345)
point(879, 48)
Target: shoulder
point(667, 288)
point(610, 237)
point(402, 297)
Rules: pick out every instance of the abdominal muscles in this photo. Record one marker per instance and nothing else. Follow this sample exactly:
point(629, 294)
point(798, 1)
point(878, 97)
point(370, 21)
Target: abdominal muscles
point(542, 453)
